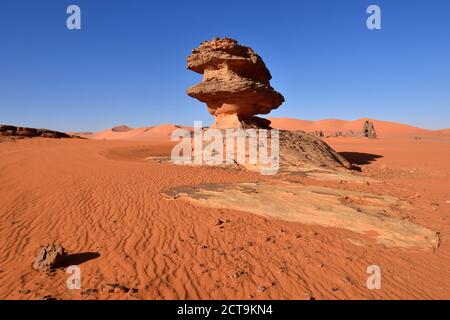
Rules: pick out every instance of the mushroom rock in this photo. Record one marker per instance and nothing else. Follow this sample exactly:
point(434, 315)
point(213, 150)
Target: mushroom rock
point(235, 86)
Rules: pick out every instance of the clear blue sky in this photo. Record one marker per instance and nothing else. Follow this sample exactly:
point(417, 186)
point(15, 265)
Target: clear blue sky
point(128, 63)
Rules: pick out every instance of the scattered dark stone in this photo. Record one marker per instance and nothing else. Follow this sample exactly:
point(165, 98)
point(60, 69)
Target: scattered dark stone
point(24, 291)
point(239, 274)
point(114, 288)
point(262, 289)
point(219, 222)
point(88, 292)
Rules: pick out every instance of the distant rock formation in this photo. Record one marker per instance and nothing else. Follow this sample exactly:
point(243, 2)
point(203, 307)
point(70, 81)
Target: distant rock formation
point(349, 133)
point(368, 130)
point(12, 131)
point(236, 84)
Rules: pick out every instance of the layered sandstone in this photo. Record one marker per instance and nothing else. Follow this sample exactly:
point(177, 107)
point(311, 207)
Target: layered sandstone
point(236, 84)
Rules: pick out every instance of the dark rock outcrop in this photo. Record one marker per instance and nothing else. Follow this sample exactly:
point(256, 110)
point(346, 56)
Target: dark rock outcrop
point(13, 131)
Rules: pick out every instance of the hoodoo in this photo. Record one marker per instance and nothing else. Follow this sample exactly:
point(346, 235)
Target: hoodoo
point(236, 87)
point(236, 84)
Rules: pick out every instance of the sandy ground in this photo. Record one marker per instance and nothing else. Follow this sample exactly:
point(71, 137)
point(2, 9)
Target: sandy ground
point(106, 205)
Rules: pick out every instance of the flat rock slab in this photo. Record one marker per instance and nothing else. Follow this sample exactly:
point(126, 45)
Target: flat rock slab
point(369, 214)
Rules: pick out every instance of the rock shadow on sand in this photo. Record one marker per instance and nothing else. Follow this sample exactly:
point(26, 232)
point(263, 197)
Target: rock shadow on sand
point(359, 158)
point(77, 259)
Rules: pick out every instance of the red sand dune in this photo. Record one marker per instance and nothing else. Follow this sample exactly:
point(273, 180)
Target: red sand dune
point(385, 129)
point(161, 132)
point(330, 126)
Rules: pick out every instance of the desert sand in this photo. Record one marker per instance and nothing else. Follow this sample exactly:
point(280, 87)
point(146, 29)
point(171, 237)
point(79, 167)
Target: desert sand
point(123, 132)
point(115, 213)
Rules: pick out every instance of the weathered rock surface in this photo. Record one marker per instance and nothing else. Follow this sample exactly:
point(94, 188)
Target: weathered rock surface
point(383, 217)
point(49, 257)
point(236, 84)
point(13, 131)
point(318, 133)
point(301, 150)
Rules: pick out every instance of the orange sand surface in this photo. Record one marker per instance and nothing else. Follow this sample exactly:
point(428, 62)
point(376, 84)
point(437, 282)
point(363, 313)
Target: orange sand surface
point(104, 203)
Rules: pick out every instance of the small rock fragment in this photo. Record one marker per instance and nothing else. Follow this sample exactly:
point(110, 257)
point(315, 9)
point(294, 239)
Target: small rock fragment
point(114, 288)
point(262, 289)
point(49, 257)
point(24, 291)
point(88, 292)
